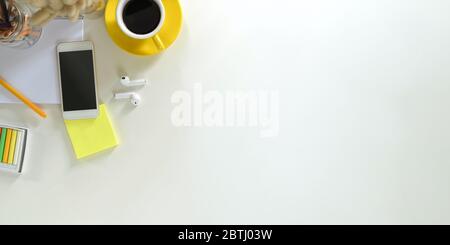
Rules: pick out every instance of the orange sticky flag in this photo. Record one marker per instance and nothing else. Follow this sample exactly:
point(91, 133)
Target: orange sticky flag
point(7, 145)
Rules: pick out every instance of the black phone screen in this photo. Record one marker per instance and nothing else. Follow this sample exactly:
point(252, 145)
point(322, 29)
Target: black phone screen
point(77, 80)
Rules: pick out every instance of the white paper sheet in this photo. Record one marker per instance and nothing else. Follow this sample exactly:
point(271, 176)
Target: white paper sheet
point(34, 71)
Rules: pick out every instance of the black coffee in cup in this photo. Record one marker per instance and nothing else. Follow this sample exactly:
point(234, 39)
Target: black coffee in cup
point(141, 16)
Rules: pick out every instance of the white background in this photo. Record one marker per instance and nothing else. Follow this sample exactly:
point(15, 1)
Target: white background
point(364, 123)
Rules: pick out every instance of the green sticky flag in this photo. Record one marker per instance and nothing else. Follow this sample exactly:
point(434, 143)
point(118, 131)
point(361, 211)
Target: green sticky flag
point(2, 142)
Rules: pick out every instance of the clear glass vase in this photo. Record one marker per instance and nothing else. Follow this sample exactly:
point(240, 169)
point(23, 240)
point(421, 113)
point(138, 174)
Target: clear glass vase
point(22, 34)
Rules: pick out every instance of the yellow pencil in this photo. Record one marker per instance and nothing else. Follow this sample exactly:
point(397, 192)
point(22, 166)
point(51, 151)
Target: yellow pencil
point(24, 99)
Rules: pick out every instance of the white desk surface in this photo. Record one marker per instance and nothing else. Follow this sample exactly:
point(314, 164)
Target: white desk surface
point(364, 123)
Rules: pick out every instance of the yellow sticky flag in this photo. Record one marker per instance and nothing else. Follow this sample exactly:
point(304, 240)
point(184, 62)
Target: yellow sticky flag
point(90, 136)
point(12, 147)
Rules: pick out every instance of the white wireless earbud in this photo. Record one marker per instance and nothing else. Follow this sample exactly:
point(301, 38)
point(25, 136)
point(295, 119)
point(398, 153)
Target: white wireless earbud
point(134, 98)
point(125, 81)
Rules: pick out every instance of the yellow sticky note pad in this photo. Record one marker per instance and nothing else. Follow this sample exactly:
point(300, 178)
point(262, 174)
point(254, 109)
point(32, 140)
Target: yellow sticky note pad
point(90, 136)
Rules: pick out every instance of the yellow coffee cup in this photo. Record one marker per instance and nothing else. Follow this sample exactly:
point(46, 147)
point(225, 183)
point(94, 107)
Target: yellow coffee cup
point(141, 19)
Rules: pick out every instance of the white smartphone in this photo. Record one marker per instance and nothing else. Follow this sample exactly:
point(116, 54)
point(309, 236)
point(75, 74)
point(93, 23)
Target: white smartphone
point(77, 76)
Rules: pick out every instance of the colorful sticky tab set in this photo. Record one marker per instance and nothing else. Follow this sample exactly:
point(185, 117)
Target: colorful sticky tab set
point(12, 147)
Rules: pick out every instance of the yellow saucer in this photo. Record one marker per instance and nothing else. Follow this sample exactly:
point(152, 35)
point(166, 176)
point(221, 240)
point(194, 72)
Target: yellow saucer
point(168, 34)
